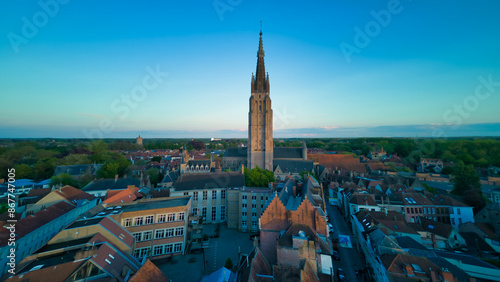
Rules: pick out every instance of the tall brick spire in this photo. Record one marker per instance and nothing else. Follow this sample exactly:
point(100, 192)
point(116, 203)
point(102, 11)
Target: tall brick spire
point(261, 81)
point(260, 118)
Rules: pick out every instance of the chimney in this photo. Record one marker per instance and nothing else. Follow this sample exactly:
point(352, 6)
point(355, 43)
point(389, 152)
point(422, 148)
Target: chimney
point(255, 242)
point(116, 177)
point(434, 276)
point(294, 191)
point(242, 169)
point(409, 270)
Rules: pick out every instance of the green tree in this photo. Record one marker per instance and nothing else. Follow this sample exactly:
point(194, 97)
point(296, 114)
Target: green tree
point(23, 171)
point(109, 170)
point(156, 159)
point(63, 179)
point(44, 169)
point(304, 174)
point(228, 264)
point(154, 176)
point(258, 177)
point(464, 179)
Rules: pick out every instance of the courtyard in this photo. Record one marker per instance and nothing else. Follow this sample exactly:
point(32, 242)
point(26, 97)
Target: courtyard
point(192, 267)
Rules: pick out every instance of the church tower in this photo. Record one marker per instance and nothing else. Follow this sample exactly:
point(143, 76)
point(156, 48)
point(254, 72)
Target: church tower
point(260, 118)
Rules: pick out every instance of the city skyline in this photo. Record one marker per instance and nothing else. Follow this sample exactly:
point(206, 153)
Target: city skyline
point(71, 70)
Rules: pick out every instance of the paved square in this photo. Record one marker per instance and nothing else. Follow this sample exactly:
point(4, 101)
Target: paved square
point(190, 266)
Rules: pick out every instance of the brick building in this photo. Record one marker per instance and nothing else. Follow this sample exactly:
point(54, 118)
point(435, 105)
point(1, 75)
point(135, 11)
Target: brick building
point(159, 225)
point(245, 207)
point(293, 204)
point(208, 192)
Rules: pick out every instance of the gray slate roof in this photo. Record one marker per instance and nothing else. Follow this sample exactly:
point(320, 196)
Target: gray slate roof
point(287, 153)
point(209, 180)
point(77, 170)
point(236, 152)
point(293, 165)
point(111, 184)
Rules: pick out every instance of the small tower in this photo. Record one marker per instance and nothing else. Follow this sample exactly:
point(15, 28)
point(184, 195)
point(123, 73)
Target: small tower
point(138, 140)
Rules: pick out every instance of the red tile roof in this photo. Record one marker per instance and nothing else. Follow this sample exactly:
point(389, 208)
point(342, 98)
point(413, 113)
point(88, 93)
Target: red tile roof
point(124, 196)
point(149, 272)
point(32, 222)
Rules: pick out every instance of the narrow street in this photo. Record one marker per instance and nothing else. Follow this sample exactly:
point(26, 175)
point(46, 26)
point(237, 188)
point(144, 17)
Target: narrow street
point(350, 258)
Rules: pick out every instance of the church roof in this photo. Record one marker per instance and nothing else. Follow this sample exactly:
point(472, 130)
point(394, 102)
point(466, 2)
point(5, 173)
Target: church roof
point(287, 153)
point(236, 152)
point(293, 165)
point(209, 180)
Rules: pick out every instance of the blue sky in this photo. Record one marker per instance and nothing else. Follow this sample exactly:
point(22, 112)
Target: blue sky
point(81, 68)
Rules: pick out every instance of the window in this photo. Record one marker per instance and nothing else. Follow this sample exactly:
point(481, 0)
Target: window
point(178, 247)
point(254, 224)
point(169, 232)
point(139, 221)
point(459, 221)
point(180, 216)
point(186, 193)
point(137, 236)
point(161, 218)
point(243, 213)
point(223, 213)
point(195, 211)
point(127, 222)
point(179, 231)
point(168, 248)
point(458, 211)
point(419, 210)
point(149, 219)
point(205, 195)
point(254, 197)
point(143, 252)
point(214, 195)
point(204, 212)
point(214, 213)
point(244, 197)
point(254, 214)
point(146, 236)
point(158, 250)
point(244, 224)
point(223, 194)
point(254, 206)
point(243, 205)
point(195, 196)
point(160, 234)
point(171, 217)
